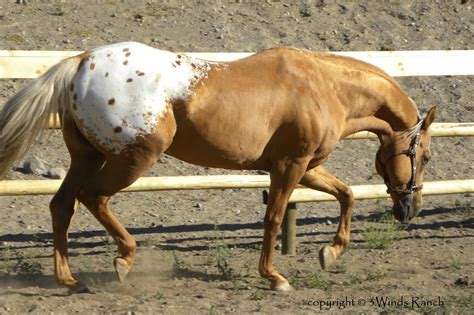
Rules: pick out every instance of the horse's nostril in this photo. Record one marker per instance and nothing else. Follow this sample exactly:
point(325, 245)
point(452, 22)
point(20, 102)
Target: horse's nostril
point(404, 209)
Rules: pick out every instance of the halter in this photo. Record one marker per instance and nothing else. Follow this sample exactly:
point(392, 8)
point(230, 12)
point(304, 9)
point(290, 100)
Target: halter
point(410, 152)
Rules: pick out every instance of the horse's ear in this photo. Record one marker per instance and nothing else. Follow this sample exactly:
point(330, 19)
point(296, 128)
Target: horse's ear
point(430, 116)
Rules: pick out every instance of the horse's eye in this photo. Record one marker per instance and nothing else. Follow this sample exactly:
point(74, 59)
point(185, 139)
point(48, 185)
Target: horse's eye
point(425, 160)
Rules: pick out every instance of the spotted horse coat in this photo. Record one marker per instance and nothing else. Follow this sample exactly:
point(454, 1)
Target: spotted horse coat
point(121, 90)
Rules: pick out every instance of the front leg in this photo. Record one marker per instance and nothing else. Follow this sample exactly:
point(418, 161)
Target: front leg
point(284, 177)
point(320, 179)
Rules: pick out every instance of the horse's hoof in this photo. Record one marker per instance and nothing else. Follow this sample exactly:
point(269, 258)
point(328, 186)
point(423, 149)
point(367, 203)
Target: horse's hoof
point(281, 287)
point(78, 289)
point(326, 257)
point(121, 268)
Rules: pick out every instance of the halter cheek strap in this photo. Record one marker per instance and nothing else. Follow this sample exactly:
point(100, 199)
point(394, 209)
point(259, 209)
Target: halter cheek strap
point(410, 152)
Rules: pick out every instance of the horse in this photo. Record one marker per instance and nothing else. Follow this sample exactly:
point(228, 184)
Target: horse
point(281, 110)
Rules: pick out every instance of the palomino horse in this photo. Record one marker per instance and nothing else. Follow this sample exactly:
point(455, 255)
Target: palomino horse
point(281, 110)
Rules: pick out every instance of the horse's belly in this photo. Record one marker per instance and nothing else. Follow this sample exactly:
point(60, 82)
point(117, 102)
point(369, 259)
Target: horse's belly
point(211, 156)
point(209, 145)
point(121, 91)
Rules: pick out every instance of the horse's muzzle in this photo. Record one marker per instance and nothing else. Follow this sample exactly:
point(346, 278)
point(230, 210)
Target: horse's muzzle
point(406, 208)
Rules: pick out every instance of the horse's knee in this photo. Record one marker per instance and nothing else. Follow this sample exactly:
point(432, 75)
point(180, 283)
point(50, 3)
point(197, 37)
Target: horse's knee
point(272, 224)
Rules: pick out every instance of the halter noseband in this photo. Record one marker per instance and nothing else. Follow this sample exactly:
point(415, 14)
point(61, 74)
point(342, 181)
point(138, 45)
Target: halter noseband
point(410, 152)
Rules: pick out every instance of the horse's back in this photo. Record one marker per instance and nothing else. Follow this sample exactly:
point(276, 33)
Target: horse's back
point(249, 111)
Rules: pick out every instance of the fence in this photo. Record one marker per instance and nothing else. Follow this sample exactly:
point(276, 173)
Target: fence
point(30, 64)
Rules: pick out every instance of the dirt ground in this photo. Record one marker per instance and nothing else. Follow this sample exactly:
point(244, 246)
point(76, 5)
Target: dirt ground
point(198, 251)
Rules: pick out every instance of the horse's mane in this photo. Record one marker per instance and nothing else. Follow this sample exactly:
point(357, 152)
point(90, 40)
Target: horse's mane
point(353, 63)
point(411, 132)
point(359, 65)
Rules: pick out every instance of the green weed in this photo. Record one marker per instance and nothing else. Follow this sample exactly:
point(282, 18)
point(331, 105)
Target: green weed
point(375, 275)
point(382, 233)
point(257, 295)
point(157, 296)
point(17, 38)
point(26, 267)
point(58, 11)
point(459, 303)
point(355, 279)
point(311, 280)
point(219, 256)
point(339, 268)
point(455, 264)
point(464, 208)
point(83, 34)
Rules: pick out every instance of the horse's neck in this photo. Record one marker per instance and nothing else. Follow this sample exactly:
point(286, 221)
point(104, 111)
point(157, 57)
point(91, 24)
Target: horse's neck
point(382, 109)
point(399, 111)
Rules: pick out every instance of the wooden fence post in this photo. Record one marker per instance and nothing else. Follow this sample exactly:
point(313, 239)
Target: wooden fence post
point(288, 231)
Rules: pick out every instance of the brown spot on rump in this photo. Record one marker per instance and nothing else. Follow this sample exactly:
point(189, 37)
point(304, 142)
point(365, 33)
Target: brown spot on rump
point(118, 129)
point(125, 62)
point(179, 56)
point(74, 97)
point(106, 74)
point(193, 66)
point(174, 66)
point(128, 54)
point(125, 49)
point(178, 62)
point(139, 73)
point(129, 80)
point(92, 66)
point(112, 101)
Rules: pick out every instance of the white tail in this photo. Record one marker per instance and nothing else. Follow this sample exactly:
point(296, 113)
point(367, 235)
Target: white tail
point(29, 111)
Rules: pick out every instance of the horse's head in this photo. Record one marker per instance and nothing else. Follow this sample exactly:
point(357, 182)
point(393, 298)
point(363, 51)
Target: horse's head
point(401, 161)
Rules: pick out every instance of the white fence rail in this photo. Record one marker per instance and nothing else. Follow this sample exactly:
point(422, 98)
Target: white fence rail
point(30, 64)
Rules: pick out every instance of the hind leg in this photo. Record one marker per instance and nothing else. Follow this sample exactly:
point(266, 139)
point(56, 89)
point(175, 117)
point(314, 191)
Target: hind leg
point(85, 159)
point(96, 193)
point(121, 171)
point(320, 179)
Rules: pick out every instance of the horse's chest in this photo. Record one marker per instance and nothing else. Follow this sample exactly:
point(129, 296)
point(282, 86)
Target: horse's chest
point(120, 92)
